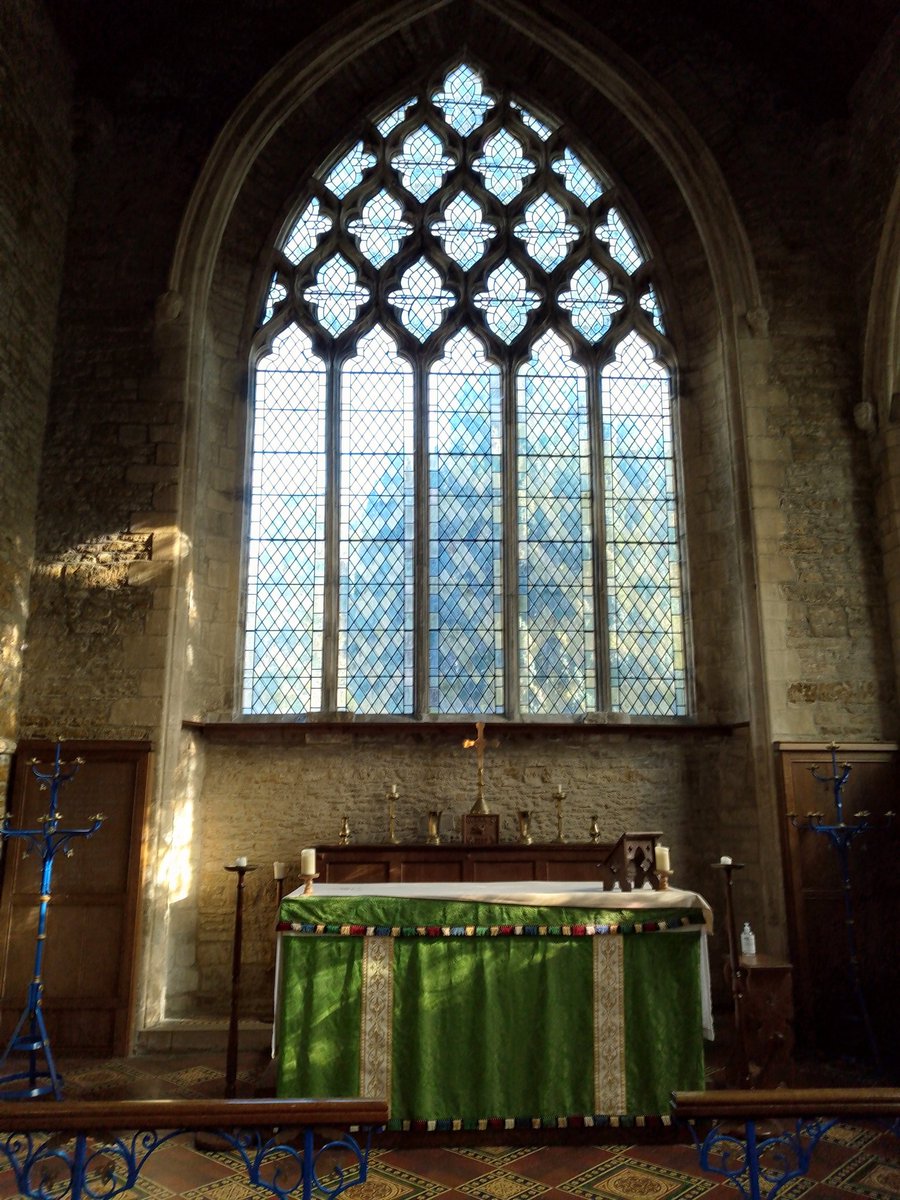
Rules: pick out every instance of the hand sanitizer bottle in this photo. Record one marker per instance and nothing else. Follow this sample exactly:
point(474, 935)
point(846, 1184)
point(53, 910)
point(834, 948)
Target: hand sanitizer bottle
point(748, 939)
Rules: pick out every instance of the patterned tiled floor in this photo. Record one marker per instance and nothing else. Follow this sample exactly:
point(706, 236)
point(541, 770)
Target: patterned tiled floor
point(851, 1161)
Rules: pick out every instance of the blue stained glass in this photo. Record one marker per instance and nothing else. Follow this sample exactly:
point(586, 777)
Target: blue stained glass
point(465, 448)
point(380, 229)
point(504, 166)
point(462, 231)
point(337, 295)
point(581, 182)
point(376, 546)
point(345, 176)
point(622, 245)
point(589, 301)
point(462, 100)
point(422, 164)
point(421, 299)
point(557, 669)
point(506, 301)
point(546, 232)
point(305, 233)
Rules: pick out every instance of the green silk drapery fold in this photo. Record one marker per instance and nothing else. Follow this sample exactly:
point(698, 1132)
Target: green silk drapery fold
point(489, 1027)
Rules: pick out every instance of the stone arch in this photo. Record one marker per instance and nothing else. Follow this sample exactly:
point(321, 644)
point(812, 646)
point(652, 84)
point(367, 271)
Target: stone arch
point(202, 337)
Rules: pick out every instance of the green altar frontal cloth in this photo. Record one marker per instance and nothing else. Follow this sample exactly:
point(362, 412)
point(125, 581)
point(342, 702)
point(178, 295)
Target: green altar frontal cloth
point(467, 1015)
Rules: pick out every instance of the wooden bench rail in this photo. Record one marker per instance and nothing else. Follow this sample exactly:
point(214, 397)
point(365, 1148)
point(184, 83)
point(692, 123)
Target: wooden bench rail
point(786, 1102)
point(103, 1116)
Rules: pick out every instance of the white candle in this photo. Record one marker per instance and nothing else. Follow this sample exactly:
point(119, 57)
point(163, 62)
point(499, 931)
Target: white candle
point(279, 870)
point(241, 860)
point(662, 858)
point(726, 859)
point(393, 789)
point(307, 862)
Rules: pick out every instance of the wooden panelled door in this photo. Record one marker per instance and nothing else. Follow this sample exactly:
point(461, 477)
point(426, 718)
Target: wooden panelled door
point(89, 969)
point(827, 1015)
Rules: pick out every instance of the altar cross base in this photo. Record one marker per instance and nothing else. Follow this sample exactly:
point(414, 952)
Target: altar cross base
point(30, 1033)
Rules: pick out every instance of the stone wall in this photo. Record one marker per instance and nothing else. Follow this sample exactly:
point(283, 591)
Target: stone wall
point(35, 184)
point(136, 585)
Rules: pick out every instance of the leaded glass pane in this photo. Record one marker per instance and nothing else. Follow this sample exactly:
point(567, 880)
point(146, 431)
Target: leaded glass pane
point(375, 637)
point(543, 131)
point(277, 293)
point(622, 246)
point(578, 179)
point(422, 163)
point(589, 301)
point(380, 229)
point(286, 555)
point(646, 632)
point(465, 531)
point(504, 165)
point(650, 305)
point(507, 301)
point(304, 235)
point(463, 233)
point(421, 299)
point(337, 295)
point(556, 611)
point(393, 119)
point(462, 100)
point(546, 232)
point(434, 529)
point(349, 171)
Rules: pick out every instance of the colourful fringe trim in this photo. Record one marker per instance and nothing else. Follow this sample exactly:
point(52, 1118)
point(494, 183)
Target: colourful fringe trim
point(621, 928)
point(575, 1121)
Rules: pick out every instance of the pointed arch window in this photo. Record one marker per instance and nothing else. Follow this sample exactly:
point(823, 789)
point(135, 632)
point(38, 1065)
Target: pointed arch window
point(463, 471)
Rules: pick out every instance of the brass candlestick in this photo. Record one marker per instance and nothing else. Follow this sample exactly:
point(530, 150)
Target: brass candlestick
point(391, 798)
point(434, 827)
point(595, 829)
point(524, 818)
point(560, 796)
point(308, 883)
point(343, 836)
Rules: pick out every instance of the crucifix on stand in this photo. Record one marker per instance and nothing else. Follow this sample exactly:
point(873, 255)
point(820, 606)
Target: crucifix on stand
point(480, 827)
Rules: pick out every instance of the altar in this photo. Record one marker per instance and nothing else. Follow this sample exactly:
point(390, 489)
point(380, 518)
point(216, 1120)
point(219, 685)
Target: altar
point(492, 1005)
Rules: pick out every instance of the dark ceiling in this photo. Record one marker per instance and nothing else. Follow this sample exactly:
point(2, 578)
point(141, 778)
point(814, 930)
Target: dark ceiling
point(811, 52)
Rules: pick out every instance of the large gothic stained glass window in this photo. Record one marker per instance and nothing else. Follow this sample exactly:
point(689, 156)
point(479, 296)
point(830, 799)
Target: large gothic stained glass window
point(462, 452)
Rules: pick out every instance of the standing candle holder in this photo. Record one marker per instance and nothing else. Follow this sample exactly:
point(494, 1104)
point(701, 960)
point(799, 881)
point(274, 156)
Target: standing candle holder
point(524, 820)
point(736, 976)
point(344, 835)
point(559, 797)
point(840, 835)
point(239, 869)
point(30, 1033)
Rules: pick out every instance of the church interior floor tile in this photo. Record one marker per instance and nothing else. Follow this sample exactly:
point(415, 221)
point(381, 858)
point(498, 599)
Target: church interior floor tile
point(853, 1161)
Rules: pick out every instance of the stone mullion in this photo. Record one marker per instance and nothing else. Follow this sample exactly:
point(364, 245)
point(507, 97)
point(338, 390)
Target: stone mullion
point(599, 534)
point(511, 646)
point(332, 536)
point(422, 579)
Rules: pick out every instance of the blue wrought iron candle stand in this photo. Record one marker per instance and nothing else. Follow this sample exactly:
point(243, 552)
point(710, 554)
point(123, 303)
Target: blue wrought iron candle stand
point(30, 1034)
point(841, 834)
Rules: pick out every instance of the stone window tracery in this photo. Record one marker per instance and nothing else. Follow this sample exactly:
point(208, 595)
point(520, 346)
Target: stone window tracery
point(463, 494)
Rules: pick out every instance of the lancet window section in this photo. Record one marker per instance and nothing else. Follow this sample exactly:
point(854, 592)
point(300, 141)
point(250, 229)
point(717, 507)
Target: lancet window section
point(463, 465)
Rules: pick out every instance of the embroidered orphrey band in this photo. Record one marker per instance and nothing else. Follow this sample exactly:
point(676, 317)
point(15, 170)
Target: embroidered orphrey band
point(609, 1027)
point(376, 1018)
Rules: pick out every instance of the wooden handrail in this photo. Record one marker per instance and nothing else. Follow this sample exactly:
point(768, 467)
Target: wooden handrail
point(102, 1116)
point(786, 1102)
